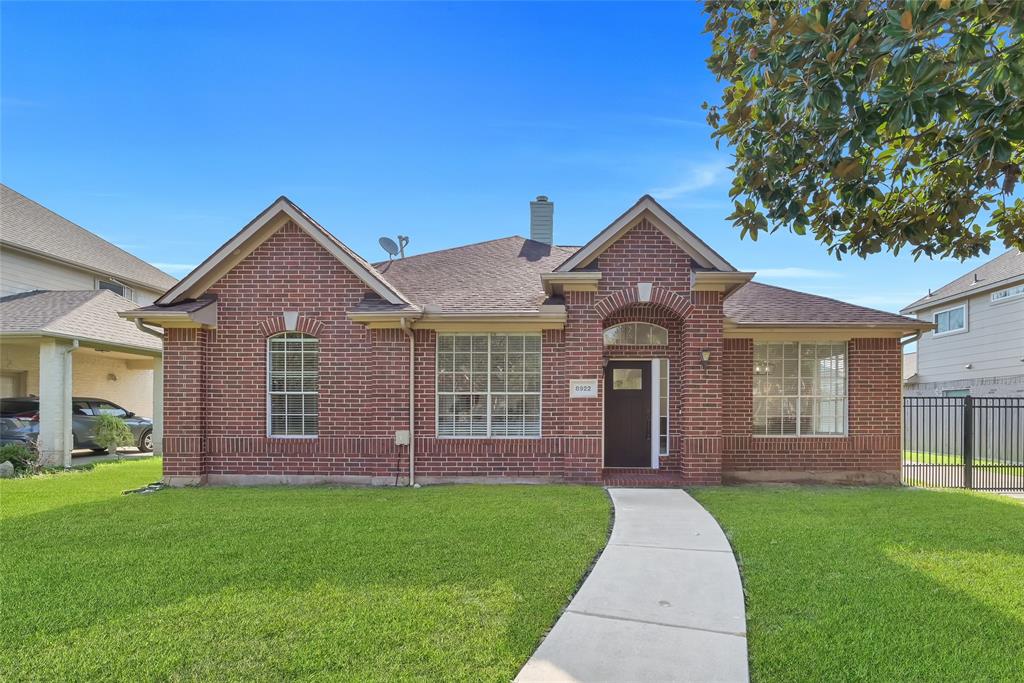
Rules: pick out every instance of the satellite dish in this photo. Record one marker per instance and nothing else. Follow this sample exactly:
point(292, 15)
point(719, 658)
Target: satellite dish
point(388, 245)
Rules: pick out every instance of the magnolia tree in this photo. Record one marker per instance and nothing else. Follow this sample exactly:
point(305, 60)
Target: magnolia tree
point(874, 124)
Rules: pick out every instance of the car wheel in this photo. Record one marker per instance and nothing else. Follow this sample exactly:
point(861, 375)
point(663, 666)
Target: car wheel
point(146, 441)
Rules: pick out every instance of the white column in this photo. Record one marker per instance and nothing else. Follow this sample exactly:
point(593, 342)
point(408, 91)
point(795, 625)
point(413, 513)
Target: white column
point(158, 406)
point(68, 386)
point(54, 403)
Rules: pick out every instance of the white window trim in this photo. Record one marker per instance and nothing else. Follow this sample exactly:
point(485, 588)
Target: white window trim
point(1010, 297)
point(128, 292)
point(656, 415)
point(268, 393)
point(846, 398)
point(489, 436)
point(959, 330)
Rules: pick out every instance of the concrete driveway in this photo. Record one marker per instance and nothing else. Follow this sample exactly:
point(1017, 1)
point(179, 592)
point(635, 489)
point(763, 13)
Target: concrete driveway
point(663, 603)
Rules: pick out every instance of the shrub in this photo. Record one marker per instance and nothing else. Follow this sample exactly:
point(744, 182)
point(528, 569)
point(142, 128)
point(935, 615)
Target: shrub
point(25, 458)
point(111, 432)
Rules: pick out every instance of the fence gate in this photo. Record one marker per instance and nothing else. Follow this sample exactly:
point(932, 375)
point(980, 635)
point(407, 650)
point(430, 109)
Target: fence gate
point(964, 442)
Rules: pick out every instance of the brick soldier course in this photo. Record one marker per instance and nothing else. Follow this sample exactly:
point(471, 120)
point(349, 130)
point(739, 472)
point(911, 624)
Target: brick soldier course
point(284, 273)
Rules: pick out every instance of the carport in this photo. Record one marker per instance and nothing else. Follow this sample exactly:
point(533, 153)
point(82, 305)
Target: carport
point(59, 344)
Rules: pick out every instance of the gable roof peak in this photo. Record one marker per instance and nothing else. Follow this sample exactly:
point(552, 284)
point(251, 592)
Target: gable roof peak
point(257, 231)
point(684, 238)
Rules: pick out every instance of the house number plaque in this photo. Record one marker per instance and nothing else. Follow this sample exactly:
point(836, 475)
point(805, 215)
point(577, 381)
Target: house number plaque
point(582, 388)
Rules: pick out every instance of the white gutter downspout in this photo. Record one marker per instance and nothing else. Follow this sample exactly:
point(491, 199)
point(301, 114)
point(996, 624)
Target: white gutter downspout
point(910, 340)
point(407, 329)
point(158, 390)
point(147, 330)
point(66, 427)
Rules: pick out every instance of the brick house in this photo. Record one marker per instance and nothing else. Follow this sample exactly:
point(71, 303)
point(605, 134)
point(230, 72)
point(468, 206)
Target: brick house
point(641, 356)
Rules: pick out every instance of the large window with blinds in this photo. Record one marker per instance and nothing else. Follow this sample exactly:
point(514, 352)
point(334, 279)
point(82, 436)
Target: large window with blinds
point(293, 392)
point(488, 385)
point(800, 389)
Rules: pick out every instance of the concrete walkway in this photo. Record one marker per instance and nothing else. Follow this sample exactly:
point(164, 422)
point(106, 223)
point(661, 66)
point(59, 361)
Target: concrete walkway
point(663, 603)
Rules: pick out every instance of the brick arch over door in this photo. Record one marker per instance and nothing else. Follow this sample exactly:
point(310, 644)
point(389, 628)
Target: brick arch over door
point(610, 304)
point(275, 324)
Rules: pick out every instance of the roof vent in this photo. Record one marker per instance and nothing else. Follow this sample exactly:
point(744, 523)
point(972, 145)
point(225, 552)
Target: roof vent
point(542, 220)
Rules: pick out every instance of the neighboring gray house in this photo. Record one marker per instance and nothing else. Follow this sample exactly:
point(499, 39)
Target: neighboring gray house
point(977, 346)
point(61, 289)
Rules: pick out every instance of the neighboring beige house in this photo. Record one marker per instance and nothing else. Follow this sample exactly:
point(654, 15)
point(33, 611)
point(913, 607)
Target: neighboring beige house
point(61, 288)
point(977, 346)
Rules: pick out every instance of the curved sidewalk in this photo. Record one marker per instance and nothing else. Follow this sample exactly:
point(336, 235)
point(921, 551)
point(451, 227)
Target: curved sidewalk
point(663, 603)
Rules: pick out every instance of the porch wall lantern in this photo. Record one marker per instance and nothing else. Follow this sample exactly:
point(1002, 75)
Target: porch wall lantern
point(705, 358)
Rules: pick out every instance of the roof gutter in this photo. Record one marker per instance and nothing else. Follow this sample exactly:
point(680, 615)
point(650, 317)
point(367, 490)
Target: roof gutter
point(148, 330)
point(407, 330)
point(911, 339)
point(931, 301)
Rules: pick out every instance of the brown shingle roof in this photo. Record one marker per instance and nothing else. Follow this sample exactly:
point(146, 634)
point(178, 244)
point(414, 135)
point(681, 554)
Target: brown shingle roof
point(758, 304)
point(1002, 268)
point(503, 275)
point(88, 315)
point(31, 226)
point(499, 275)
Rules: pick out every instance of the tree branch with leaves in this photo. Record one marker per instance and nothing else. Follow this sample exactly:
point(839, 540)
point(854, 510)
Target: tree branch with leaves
point(873, 125)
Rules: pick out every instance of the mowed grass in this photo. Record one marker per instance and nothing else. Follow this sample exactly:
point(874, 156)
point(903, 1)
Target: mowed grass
point(878, 584)
point(439, 583)
point(950, 459)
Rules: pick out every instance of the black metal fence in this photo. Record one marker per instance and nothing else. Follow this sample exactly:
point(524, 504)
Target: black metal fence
point(964, 442)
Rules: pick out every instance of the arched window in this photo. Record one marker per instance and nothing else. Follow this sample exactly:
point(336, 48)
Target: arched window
point(293, 392)
point(636, 334)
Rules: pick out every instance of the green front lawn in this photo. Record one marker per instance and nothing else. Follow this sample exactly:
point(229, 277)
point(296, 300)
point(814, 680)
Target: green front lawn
point(453, 583)
point(878, 584)
point(924, 458)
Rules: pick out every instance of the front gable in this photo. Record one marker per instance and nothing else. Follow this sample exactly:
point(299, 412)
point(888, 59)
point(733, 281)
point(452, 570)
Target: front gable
point(644, 253)
point(648, 214)
point(281, 214)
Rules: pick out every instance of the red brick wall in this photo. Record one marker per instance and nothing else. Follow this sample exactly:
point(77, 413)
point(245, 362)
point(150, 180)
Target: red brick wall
point(872, 443)
point(215, 381)
point(511, 457)
point(702, 414)
point(184, 398)
point(362, 372)
point(644, 254)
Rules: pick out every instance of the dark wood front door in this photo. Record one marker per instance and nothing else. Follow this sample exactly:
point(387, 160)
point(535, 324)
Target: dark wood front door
point(627, 413)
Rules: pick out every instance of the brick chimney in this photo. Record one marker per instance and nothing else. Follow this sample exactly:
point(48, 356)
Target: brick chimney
point(542, 220)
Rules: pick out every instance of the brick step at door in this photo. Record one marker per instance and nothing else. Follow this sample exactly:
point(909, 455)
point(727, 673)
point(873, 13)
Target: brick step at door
point(641, 477)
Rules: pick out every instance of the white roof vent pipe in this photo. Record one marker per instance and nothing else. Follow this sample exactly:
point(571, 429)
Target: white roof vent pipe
point(542, 220)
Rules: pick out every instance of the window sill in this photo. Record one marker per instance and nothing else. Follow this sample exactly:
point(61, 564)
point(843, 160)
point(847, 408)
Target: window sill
point(951, 333)
point(488, 438)
point(292, 437)
point(800, 436)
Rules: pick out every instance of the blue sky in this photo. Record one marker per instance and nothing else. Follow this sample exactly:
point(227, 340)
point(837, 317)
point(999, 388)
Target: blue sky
point(166, 127)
